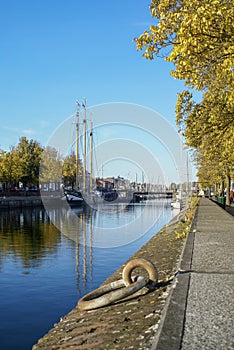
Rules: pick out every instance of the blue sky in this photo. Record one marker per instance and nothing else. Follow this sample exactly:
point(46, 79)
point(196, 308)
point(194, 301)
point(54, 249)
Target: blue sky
point(54, 52)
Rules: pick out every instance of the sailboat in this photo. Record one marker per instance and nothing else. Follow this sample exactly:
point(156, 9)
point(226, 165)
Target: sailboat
point(74, 197)
point(88, 195)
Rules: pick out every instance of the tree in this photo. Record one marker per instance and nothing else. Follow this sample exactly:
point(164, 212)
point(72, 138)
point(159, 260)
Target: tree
point(28, 154)
point(9, 174)
point(69, 170)
point(198, 38)
point(21, 163)
point(50, 167)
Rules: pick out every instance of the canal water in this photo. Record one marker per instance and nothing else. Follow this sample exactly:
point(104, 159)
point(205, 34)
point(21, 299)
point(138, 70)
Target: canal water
point(50, 259)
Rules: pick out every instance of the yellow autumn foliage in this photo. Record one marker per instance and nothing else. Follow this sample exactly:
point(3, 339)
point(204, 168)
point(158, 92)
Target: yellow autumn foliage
point(198, 38)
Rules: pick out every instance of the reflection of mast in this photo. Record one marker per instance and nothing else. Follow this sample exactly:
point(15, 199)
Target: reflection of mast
point(77, 260)
point(77, 145)
point(91, 248)
point(83, 250)
point(84, 254)
point(85, 145)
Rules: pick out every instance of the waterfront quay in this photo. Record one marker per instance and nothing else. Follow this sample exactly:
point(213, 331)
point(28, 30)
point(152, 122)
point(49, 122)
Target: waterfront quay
point(191, 308)
point(20, 202)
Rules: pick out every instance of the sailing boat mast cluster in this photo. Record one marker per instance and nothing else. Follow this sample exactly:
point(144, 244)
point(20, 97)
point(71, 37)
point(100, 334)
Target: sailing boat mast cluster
point(84, 192)
point(87, 177)
point(74, 197)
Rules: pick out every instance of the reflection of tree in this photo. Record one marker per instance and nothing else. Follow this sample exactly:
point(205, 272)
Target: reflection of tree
point(28, 236)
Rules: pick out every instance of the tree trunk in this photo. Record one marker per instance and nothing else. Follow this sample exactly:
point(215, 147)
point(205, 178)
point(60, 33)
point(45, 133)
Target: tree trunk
point(228, 186)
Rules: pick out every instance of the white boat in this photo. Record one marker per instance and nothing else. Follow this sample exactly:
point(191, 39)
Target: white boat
point(176, 204)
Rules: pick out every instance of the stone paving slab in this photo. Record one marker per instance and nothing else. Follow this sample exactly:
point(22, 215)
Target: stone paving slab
point(212, 252)
point(200, 311)
point(210, 313)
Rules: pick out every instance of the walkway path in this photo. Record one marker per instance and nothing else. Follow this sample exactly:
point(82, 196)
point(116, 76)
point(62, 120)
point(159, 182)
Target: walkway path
point(200, 310)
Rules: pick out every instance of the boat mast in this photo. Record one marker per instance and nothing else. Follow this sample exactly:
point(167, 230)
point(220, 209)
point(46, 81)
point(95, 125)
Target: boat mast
point(77, 145)
point(91, 155)
point(85, 145)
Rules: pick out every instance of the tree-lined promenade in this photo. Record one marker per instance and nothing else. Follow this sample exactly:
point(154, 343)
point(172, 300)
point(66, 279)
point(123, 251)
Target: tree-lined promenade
point(198, 38)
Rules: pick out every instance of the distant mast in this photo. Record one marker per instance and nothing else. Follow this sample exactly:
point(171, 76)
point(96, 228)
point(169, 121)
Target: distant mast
point(85, 145)
point(91, 156)
point(77, 145)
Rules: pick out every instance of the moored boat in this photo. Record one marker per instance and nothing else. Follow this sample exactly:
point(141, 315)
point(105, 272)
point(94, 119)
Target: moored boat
point(74, 198)
point(176, 204)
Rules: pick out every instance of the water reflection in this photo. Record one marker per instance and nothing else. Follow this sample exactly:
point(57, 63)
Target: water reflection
point(27, 236)
point(112, 225)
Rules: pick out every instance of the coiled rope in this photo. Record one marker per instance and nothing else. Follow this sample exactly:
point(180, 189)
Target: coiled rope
point(123, 288)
